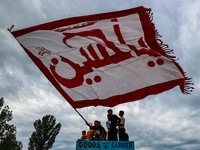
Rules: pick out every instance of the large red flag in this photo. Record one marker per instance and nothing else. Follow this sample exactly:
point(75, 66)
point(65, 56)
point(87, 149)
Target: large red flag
point(103, 59)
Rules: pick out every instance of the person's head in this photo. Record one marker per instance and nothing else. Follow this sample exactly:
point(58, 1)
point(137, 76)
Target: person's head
point(108, 116)
point(99, 122)
point(110, 112)
point(96, 123)
point(83, 132)
point(121, 113)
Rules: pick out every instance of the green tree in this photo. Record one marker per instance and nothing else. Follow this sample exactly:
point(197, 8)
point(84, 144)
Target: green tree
point(45, 134)
point(7, 132)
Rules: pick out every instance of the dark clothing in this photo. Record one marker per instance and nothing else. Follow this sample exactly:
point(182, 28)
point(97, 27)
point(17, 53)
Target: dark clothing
point(122, 134)
point(112, 135)
point(99, 128)
point(113, 130)
point(114, 120)
point(126, 137)
point(109, 136)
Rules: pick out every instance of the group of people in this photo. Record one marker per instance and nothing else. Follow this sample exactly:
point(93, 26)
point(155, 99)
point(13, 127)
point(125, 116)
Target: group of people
point(114, 125)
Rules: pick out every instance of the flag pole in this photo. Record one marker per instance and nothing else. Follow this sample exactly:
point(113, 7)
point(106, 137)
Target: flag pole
point(81, 115)
point(9, 29)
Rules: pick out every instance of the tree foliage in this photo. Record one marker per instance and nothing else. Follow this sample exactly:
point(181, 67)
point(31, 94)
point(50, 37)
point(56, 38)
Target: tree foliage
point(45, 133)
point(7, 132)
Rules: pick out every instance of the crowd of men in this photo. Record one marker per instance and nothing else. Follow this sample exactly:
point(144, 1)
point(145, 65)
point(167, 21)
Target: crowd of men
point(115, 126)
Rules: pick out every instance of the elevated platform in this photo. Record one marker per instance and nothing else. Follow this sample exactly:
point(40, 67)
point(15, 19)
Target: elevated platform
point(104, 145)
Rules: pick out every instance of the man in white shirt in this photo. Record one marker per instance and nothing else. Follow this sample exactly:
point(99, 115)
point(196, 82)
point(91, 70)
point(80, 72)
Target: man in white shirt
point(121, 126)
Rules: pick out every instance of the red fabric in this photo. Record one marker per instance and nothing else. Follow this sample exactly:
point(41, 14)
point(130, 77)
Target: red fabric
point(149, 46)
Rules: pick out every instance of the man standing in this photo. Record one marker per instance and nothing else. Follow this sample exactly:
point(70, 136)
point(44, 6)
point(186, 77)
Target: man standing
point(121, 126)
point(114, 123)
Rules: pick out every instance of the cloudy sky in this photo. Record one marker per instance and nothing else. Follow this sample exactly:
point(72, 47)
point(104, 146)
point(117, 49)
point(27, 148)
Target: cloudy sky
point(166, 121)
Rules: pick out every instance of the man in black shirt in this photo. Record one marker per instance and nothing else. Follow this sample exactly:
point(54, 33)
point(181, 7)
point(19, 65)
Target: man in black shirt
point(114, 123)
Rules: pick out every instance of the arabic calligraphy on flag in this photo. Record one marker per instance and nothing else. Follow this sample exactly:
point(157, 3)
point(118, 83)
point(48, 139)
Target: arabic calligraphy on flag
point(104, 59)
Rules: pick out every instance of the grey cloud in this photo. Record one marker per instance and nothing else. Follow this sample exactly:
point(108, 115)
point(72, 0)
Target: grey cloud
point(169, 120)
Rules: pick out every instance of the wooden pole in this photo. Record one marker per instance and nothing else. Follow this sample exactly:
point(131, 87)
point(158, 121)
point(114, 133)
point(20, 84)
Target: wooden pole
point(9, 29)
point(81, 116)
